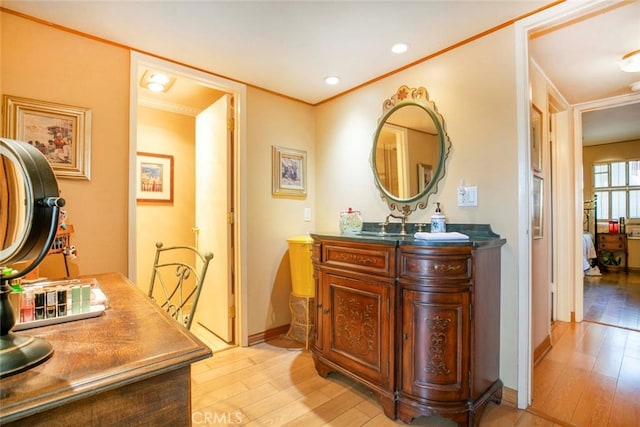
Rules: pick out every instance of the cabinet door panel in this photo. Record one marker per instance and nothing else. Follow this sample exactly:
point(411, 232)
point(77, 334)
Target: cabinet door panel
point(435, 345)
point(359, 326)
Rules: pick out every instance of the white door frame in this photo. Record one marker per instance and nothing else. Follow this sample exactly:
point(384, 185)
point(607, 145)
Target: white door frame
point(522, 28)
point(240, 172)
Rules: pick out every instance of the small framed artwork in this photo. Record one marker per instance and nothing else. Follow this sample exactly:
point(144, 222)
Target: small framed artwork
point(154, 178)
point(424, 176)
point(537, 219)
point(536, 139)
point(289, 172)
point(61, 132)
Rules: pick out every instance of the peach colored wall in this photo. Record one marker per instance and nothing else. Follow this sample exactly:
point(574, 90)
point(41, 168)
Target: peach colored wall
point(162, 132)
point(272, 220)
point(40, 62)
point(479, 108)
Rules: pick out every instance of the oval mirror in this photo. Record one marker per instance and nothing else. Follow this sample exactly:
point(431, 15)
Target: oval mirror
point(410, 149)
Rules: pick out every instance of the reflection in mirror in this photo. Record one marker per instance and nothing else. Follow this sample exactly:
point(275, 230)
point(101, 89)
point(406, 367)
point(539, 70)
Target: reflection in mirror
point(406, 150)
point(13, 210)
point(410, 150)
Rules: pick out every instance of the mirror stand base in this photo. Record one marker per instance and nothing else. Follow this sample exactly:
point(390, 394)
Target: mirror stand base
point(18, 352)
point(21, 352)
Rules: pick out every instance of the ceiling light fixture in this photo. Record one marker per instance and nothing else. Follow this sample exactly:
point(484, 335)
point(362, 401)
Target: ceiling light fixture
point(631, 62)
point(399, 48)
point(156, 82)
point(332, 80)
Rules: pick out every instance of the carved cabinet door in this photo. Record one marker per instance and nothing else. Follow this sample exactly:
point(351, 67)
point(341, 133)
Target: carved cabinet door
point(435, 344)
point(358, 326)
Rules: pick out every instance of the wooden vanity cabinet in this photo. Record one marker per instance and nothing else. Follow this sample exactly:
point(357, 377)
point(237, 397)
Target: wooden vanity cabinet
point(450, 331)
point(417, 324)
point(355, 293)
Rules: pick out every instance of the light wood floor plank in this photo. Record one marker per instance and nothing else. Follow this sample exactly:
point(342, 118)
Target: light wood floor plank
point(287, 413)
point(595, 403)
point(563, 398)
point(351, 418)
point(610, 356)
point(592, 339)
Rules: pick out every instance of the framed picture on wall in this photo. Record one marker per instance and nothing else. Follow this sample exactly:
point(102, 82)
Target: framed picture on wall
point(154, 178)
point(538, 206)
point(289, 169)
point(536, 139)
point(61, 132)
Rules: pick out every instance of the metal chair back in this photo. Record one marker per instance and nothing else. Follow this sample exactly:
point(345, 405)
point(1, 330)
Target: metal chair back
point(176, 280)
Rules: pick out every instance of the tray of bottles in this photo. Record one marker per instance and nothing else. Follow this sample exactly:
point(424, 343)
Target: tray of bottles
point(49, 303)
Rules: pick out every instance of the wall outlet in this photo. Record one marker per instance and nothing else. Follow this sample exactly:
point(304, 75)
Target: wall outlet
point(468, 196)
point(307, 214)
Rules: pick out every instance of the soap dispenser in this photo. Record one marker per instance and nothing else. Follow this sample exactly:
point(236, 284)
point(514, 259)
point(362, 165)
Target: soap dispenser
point(438, 223)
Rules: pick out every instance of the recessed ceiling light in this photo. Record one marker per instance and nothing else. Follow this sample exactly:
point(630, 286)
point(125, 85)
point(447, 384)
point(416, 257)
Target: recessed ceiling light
point(331, 80)
point(156, 82)
point(635, 87)
point(631, 62)
point(399, 48)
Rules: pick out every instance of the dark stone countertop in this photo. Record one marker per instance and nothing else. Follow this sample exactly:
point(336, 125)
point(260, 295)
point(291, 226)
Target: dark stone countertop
point(479, 235)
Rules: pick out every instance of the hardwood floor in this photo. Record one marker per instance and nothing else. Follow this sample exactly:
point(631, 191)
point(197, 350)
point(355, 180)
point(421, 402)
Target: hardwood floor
point(591, 377)
point(613, 299)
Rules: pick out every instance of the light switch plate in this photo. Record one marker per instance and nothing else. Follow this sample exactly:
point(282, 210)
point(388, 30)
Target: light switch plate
point(307, 214)
point(468, 196)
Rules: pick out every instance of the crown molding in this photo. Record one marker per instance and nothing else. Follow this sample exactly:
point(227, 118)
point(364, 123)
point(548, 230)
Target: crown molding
point(171, 107)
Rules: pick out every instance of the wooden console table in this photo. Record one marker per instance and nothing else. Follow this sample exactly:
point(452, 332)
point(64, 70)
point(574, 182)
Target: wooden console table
point(129, 366)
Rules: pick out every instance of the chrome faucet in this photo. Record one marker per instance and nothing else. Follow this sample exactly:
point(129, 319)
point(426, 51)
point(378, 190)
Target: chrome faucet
point(403, 218)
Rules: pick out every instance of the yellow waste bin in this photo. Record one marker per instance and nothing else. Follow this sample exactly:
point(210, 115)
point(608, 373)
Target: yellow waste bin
point(303, 289)
point(301, 268)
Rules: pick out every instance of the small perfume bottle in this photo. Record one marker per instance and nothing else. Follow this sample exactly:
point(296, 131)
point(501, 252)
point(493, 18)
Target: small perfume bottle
point(86, 298)
point(50, 303)
point(26, 307)
point(39, 304)
point(75, 299)
point(62, 301)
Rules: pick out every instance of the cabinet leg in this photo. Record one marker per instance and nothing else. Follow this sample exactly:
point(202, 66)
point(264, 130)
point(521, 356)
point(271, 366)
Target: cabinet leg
point(322, 369)
point(388, 405)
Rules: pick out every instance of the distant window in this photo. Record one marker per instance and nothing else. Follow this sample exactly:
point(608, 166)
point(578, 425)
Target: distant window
point(617, 186)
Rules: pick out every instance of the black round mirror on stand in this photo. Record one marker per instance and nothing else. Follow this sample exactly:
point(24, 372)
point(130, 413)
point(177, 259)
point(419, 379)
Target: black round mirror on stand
point(29, 209)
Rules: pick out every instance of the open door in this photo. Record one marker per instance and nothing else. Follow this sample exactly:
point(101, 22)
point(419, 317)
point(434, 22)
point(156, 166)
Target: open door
point(214, 215)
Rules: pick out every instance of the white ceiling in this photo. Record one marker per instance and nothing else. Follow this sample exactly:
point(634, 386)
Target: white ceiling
point(288, 47)
point(581, 58)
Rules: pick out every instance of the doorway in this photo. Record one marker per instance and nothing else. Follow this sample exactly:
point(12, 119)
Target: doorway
point(610, 295)
point(202, 196)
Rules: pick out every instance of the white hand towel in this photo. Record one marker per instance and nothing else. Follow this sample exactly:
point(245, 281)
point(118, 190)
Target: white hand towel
point(452, 235)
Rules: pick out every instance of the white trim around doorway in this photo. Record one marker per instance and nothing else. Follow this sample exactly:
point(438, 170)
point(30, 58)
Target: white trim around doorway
point(240, 170)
